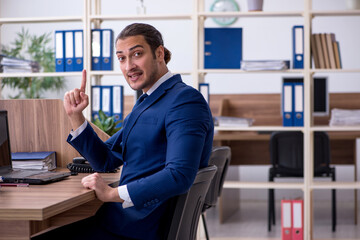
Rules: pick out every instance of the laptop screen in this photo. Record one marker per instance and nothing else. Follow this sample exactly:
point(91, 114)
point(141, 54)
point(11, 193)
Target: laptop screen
point(5, 153)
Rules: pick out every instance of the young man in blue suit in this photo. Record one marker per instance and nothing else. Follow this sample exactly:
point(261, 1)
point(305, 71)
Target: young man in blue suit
point(164, 141)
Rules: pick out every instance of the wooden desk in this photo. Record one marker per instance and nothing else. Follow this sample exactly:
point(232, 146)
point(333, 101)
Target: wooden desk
point(42, 125)
point(25, 211)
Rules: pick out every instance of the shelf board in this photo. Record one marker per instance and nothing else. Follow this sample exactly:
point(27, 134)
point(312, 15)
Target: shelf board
point(251, 14)
point(259, 128)
point(282, 128)
point(119, 73)
point(239, 71)
point(335, 185)
point(142, 17)
point(335, 128)
point(336, 13)
point(40, 20)
point(283, 185)
point(262, 185)
point(335, 70)
point(43, 74)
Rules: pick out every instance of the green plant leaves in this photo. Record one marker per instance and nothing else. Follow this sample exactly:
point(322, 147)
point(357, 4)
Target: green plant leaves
point(35, 48)
point(106, 123)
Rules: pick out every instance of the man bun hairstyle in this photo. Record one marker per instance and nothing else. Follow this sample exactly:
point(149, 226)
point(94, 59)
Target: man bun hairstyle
point(151, 35)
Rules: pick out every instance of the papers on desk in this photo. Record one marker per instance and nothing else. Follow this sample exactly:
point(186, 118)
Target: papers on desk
point(344, 117)
point(265, 65)
point(34, 160)
point(222, 121)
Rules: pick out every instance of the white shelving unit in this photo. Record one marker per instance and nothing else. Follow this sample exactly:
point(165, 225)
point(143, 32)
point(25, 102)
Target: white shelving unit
point(92, 17)
point(308, 184)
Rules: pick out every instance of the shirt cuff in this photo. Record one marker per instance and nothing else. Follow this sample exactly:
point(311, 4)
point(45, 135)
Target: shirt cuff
point(124, 194)
point(78, 131)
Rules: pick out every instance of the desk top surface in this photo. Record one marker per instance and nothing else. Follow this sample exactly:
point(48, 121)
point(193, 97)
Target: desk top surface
point(39, 202)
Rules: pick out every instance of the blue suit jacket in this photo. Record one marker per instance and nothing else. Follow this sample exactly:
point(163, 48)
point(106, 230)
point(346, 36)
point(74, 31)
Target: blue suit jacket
point(163, 143)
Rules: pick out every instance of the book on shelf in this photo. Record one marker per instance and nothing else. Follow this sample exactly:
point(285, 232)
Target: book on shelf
point(224, 121)
point(325, 51)
point(319, 50)
point(263, 65)
point(34, 160)
point(337, 54)
point(314, 51)
point(330, 38)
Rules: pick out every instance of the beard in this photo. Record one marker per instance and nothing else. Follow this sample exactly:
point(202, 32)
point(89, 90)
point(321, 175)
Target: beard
point(149, 81)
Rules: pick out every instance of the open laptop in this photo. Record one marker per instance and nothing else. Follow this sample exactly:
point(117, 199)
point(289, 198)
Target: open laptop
point(10, 175)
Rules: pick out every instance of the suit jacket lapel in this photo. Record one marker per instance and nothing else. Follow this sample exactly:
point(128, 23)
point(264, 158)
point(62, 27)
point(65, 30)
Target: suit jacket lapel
point(134, 115)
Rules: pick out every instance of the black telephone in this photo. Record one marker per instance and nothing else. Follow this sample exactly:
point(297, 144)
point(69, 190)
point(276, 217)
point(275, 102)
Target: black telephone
point(80, 165)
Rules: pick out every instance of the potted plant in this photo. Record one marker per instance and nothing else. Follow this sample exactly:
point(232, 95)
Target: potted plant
point(106, 123)
point(35, 48)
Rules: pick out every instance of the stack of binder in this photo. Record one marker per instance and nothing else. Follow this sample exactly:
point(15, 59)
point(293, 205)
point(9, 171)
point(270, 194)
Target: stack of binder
point(69, 50)
point(102, 49)
point(292, 219)
point(293, 102)
point(345, 117)
point(16, 65)
point(34, 160)
point(264, 65)
point(109, 99)
point(223, 121)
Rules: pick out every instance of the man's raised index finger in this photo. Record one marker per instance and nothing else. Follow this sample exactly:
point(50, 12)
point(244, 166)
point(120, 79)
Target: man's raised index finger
point(83, 81)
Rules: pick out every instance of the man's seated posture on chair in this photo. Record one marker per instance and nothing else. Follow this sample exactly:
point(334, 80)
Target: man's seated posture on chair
point(164, 141)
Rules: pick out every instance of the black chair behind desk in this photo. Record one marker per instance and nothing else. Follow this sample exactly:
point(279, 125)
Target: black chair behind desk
point(188, 206)
point(286, 154)
point(220, 157)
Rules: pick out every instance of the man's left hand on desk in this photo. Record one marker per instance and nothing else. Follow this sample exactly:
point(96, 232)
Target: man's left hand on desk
point(102, 190)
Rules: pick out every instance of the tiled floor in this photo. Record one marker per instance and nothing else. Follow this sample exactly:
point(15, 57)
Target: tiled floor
point(250, 222)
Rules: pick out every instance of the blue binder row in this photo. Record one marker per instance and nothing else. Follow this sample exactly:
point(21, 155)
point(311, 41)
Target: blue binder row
point(298, 47)
point(102, 49)
point(223, 48)
point(109, 99)
point(69, 51)
point(293, 102)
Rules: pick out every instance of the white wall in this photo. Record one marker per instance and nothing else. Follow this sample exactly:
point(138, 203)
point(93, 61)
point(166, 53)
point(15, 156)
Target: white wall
point(263, 38)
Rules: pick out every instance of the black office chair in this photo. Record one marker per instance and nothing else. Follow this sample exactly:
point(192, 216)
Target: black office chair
point(220, 157)
point(286, 155)
point(187, 207)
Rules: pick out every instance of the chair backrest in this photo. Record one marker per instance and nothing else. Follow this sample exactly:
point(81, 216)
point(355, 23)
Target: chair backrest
point(220, 157)
point(286, 152)
point(189, 205)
